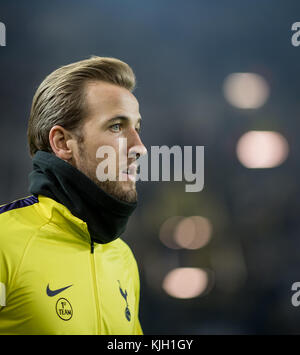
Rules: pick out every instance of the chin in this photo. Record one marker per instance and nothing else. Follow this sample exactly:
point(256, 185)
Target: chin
point(126, 192)
point(121, 190)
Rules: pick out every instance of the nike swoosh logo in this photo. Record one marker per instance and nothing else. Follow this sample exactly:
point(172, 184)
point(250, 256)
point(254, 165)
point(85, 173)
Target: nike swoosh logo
point(52, 293)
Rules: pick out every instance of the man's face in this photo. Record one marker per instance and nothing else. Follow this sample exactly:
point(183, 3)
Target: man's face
point(113, 113)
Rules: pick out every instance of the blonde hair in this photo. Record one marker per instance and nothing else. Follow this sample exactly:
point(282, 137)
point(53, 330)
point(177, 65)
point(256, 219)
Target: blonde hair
point(60, 98)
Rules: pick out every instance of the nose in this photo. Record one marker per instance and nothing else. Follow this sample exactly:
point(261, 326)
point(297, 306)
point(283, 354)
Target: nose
point(136, 148)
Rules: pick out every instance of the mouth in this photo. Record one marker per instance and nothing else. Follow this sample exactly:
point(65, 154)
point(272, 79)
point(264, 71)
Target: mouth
point(130, 173)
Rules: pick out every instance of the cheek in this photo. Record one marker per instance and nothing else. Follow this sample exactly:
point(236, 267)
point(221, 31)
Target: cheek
point(106, 154)
point(122, 149)
point(122, 154)
point(92, 144)
point(118, 145)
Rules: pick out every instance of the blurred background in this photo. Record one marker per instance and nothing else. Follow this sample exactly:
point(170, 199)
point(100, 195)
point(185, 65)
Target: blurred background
point(223, 75)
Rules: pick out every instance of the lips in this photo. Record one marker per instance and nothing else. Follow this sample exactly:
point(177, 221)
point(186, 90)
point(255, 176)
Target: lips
point(130, 172)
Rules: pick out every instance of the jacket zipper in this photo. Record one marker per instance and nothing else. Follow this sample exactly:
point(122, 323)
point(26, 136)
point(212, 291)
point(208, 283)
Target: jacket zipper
point(93, 267)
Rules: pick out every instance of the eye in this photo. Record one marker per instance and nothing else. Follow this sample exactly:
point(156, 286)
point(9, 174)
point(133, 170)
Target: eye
point(116, 127)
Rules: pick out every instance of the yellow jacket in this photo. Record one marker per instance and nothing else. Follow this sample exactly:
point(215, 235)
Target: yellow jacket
point(52, 282)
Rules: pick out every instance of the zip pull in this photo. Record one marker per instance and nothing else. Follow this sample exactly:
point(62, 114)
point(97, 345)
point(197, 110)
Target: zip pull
point(92, 246)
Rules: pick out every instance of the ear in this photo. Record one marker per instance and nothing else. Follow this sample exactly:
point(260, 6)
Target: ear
point(60, 140)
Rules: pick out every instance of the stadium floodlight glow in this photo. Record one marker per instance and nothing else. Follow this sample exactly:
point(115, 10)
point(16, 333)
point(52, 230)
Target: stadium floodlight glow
point(246, 90)
point(167, 230)
point(193, 232)
point(179, 232)
point(185, 282)
point(262, 149)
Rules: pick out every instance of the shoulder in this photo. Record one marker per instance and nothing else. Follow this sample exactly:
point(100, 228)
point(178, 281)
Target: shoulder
point(124, 247)
point(19, 220)
point(124, 252)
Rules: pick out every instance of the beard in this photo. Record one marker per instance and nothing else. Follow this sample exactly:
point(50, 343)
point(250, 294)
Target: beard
point(116, 189)
point(121, 190)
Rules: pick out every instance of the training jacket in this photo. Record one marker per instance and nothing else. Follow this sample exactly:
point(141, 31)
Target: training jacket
point(55, 280)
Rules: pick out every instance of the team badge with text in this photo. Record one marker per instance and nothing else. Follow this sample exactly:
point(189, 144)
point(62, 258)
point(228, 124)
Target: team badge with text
point(64, 309)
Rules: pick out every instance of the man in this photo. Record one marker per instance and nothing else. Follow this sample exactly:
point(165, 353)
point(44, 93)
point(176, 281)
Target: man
point(63, 267)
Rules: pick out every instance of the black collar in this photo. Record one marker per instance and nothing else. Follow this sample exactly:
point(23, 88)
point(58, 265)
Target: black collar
point(106, 216)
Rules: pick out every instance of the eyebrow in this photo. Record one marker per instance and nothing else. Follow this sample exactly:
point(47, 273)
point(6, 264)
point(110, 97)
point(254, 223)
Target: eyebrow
point(122, 118)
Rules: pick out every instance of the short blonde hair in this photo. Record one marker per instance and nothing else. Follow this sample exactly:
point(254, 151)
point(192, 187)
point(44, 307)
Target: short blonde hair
point(60, 98)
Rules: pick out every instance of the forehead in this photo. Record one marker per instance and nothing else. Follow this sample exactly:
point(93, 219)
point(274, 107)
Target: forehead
point(107, 99)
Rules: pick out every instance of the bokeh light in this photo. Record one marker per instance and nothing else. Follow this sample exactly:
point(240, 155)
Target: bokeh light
point(166, 232)
point(246, 90)
point(179, 232)
point(185, 282)
point(193, 232)
point(262, 149)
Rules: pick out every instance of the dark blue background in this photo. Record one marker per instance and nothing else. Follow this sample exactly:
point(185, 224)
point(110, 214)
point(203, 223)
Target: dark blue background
point(181, 51)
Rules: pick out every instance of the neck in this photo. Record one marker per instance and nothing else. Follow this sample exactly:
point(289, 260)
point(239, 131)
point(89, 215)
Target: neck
point(106, 216)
